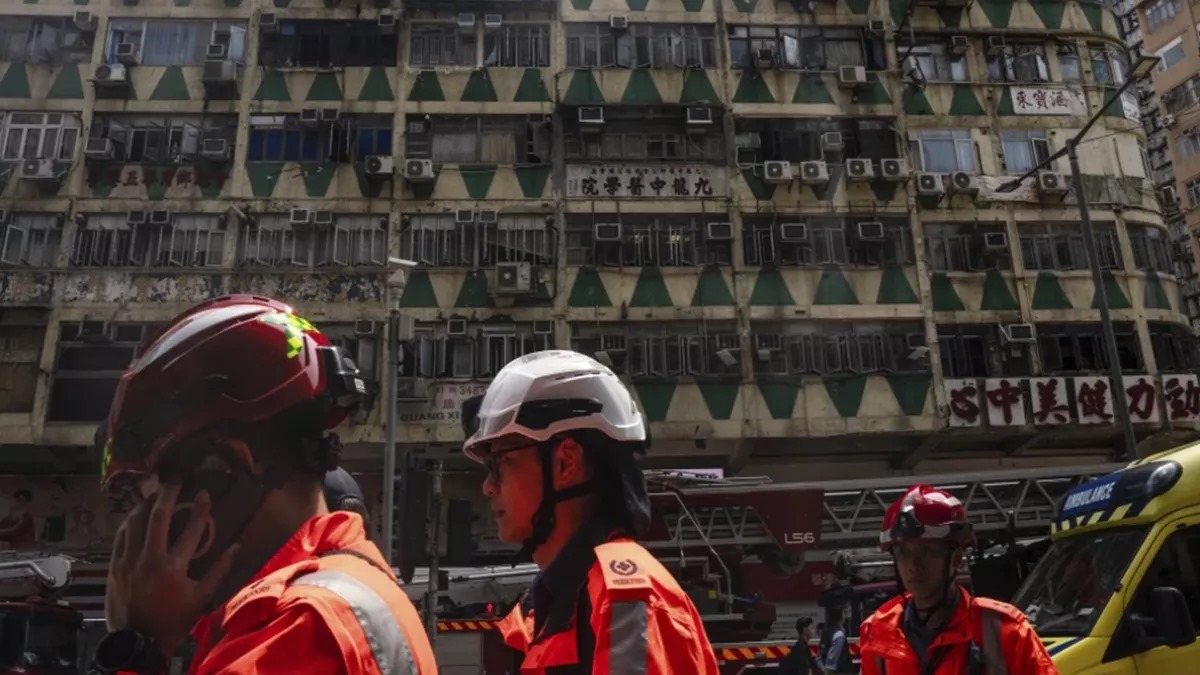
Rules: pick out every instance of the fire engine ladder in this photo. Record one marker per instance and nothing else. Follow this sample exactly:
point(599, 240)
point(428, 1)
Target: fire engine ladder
point(24, 574)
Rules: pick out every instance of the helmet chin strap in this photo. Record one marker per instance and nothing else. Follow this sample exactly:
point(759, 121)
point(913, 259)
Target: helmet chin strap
point(924, 614)
point(543, 518)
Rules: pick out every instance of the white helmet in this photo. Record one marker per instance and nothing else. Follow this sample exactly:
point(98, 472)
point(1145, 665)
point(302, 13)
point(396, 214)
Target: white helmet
point(547, 393)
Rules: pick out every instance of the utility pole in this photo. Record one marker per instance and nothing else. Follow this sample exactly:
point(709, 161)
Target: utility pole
point(435, 536)
point(391, 396)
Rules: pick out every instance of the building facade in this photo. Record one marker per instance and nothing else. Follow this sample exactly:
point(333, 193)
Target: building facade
point(779, 220)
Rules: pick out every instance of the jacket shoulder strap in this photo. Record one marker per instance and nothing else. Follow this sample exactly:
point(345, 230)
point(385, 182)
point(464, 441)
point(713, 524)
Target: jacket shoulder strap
point(624, 569)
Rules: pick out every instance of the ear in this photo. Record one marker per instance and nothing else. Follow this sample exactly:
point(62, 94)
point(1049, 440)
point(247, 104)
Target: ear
point(956, 559)
point(241, 451)
point(569, 465)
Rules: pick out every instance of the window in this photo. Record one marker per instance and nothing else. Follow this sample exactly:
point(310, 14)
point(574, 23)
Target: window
point(668, 240)
point(1068, 63)
point(22, 332)
point(640, 134)
point(798, 140)
point(1159, 13)
point(91, 358)
point(943, 150)
point(1079, 349)
point(436, 240)
point(43, 40)
point(806, 47)
point(830, 240)
point(37, 135)
point(279, 138)
point(1193, 192)
point(157, 139)
point(174, 43)
point(1175, 348)
point(272, 241)
point(669, 349)
point(1171, 54)
point(441, 44)
point(517, 45)
point(1109, 64)
point(1183, 96)
point(934, 62)
point(644, 45)
point(1061, 247)
point(1018, 63)
point(1187, 144)
point(1024, 150)
point(814, 348)
point(483, 351)
point(110, 240)
point(965, 351)
point(488, 139)
point(961, 247)
point(359, 240)
point(1151, 250)
point(1175, 565)
point(31, 239)
point(362, 349)
point(323, 44)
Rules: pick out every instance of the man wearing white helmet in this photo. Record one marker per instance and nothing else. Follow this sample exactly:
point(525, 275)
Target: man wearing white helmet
point(558, 433)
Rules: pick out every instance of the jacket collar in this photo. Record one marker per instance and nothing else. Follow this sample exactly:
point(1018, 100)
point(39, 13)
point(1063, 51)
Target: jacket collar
point(555, 591)
point(317, 536)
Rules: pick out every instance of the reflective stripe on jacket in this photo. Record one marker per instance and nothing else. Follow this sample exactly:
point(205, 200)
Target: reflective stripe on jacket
point(326, 602)
point(642, 622)
point(1003, 640)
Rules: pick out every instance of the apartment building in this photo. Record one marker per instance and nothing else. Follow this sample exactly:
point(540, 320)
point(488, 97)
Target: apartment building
point(779, 220)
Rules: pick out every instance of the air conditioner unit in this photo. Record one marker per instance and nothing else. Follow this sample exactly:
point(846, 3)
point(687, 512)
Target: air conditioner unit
point(456, 327)
point(543, 327)
point(310, 117)
point(877, 26)
point(513, 277)
point(418, 170)
point(216, 72)
point(1018, 332)
point(606, 231)
point(493, 20)
point(329, 115)
point(618, 22)
point(860, 169)
point(216, 51)
point(127, 54)
point(100, 149)
point(871, 230)
point(464, 216)
point(850, 77)
point(386, 21)
point(466, 22)
point(764, 58)
point(831, 141)
point(39, 170)
point(1051, 183)
point(487, 216)
point(963, 183)
point(701, 117)
point(995, 241)
point(959, 44)
point(893, 170)
point(720, 231)
point(995, 45)
point(268, 22)
point(930, 184)
point(85, 21)
point(814, 172)
point(792, 232)
point(591, 115)
point(379, 165)
point(216, 149)
point(364, 327)
point(159, 218)
point(298, 216)
point(323, 219)
point(136, 217)
point(777, 172)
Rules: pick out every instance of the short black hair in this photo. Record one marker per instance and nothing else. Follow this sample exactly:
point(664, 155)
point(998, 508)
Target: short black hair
point(802, 623)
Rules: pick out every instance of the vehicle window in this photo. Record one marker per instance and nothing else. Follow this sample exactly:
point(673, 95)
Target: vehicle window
point(1177, 564)
point(12, 639)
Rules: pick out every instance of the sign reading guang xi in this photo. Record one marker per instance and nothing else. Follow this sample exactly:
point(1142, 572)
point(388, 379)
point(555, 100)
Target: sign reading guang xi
point(1048, 101)
point(444, 405)
point(640, 181)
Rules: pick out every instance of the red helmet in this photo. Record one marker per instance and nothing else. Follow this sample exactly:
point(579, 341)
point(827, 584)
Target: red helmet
point(925, 512)
point(238, 358)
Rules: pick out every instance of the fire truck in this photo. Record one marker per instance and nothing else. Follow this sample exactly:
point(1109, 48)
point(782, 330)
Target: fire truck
point(39, 633)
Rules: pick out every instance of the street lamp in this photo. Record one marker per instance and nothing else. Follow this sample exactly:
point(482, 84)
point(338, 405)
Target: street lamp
point(1141, 69)
point(396, 281)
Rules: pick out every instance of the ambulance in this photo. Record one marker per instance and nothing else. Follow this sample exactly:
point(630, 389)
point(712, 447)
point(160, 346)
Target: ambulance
point(1118, 592)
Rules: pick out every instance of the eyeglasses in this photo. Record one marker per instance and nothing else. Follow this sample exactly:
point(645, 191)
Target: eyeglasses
point(492, 461)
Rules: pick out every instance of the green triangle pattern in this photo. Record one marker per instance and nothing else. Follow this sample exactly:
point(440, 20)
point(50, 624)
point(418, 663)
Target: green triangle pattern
point(910, 392)
point(655, 398)
point(846, 393)
point(998, 12)
point(581, 5)
point(211, 188)
point(832, 289)
point(692, 5)
point(1156, 296)
point(697, 88)
point(711, 290)
point(641, 89)
point(719, 397)
point(746, 6)
point(263, 177)
point(67, 84)
point(752, 88)
point(532, 180)
point(770, 290)
point(964, 102)
point(426, 87)
point(155, 182)
point(171, 86)
point(997, 296)
point(945, 297)
point(1048, 293)
point(273, 87)
point(588, 290)
point(898, 10)
point(884, 192)
point(651, 290)
point(637, 5)
point(583, 89)
point(894, 288)
point(324, 88)
point(951, 16)
point(761, 189)
point(858, 6)
point(418, 292)
point(473, 293)
point(532, 88)
point(1116, 295)
point(1005, 106)
point(780, 398)
point(479, 88)
point(1094, 13)
point(874, 93)
point(915, 101)
point(317, 177)
point(376, 86)
point(811, 89)
point(1050, 12)
point(477, 179)
point(368, 186)
point(15, 83)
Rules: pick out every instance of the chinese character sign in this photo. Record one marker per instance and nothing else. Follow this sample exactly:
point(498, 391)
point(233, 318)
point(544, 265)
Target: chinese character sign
point(1049, 396)
point(1048, 101)
point(445, 405)
point(963, 397)
point(1142, 398)
point(1005, 402)
point(636, 181)
point(1182, 396)
point(1093, 400)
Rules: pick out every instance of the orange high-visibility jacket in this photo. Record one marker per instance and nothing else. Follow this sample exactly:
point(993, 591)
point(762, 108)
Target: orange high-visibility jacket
point(1001, 633)
point(325, 603)
point(641, 621)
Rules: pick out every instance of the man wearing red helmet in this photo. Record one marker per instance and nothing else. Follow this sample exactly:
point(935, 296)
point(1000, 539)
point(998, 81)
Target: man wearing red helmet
point(935, 627)
point(218, 431)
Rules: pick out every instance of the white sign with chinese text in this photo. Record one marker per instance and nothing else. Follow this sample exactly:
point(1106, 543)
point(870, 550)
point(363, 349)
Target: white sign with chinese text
point(1093, 400)
point(1182, 396)
point(1142, 397)
point(1005, 402)
point(444, 405)
point(1048, 101)
point(1049, 397)
point(1129, 106)
point(962, 396)
point(640, 181)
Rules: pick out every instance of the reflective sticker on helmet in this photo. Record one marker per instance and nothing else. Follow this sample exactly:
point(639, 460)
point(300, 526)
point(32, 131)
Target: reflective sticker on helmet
point(105, 460)
point(294, 327)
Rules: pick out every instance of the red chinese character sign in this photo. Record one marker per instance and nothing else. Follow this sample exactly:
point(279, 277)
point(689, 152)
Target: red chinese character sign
point(1182, 396)
point(1049, 398)
point(1005, 402)
point(963, 398)
point(1142, 397)
point(1093, 400)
